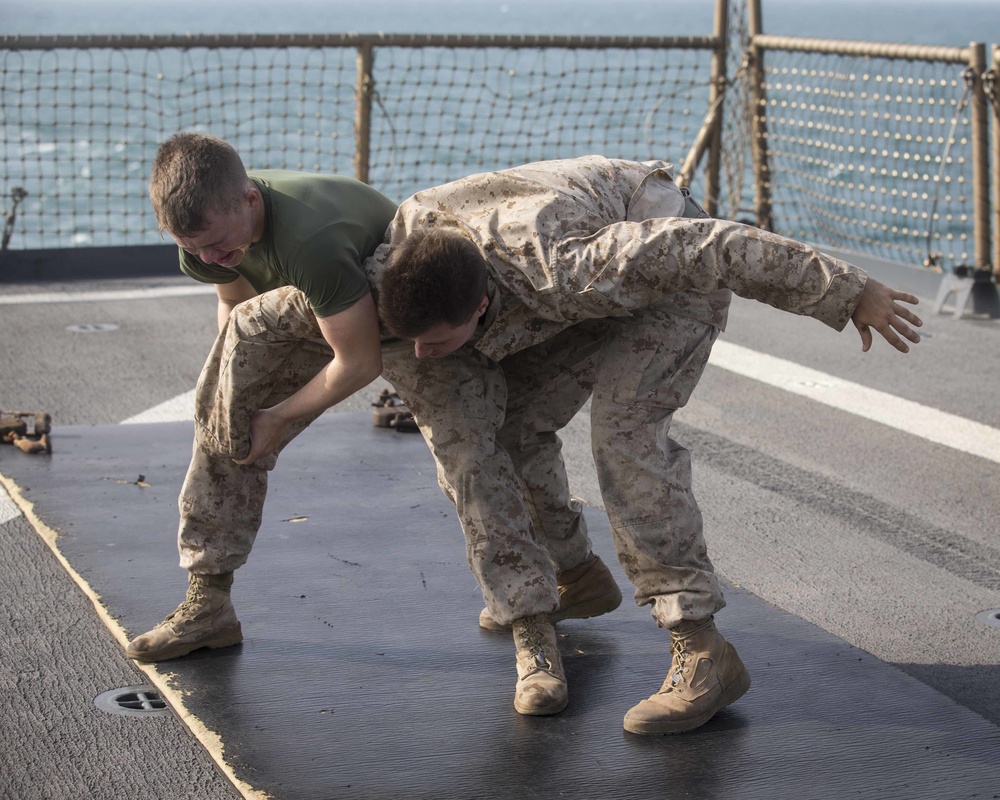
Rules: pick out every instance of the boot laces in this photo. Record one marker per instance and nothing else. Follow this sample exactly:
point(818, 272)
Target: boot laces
point(533, 642)
point(679, 666)
point(679, 662)
point(192, 603)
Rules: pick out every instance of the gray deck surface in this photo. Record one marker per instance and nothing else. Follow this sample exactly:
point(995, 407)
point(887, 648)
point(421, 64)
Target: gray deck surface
point(365, 675)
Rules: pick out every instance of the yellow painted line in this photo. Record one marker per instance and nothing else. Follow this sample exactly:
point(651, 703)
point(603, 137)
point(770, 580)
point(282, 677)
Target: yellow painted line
point(210, 740)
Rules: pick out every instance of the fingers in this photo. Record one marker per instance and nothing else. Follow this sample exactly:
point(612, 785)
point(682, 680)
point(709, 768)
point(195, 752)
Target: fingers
point(890, 336)
point(258, 449)
point(899, 319)
point(866, 336)
point(880, 308)
point(902, 316)
point(907, 331)
point(885, 330)
point(903, 311)
point(905, 297)
point(887, 333)
point(255, 447)
point(265, 438)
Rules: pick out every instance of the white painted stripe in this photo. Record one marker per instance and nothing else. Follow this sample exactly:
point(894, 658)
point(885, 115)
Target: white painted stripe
point(177, 409)
point(8, 508)
point(151, 293)
point(896, 412)
point(904, 415)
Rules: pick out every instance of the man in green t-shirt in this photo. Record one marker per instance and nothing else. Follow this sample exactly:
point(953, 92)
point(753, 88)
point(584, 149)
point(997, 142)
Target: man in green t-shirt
point(285, 252)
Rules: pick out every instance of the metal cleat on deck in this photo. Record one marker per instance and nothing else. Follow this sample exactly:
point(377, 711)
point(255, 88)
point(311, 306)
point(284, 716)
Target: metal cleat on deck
point(964, 282)
point(391, 412)
point(26, 430)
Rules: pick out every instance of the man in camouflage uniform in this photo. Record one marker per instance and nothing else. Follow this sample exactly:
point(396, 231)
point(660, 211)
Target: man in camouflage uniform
point(518, 295)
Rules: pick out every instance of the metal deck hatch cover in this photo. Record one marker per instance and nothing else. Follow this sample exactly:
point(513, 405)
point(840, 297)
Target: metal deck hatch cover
point(989, 617)
point(133, 701)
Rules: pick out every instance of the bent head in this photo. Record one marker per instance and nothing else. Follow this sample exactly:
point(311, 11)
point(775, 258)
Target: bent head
point(433, 291)
point(203, 198)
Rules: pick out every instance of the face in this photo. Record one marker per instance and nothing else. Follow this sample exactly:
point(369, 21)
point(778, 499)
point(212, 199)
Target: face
point(443, 339)
point(228, 235)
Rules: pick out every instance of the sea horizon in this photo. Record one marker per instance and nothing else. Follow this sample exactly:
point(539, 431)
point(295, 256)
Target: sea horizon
point(909, 21)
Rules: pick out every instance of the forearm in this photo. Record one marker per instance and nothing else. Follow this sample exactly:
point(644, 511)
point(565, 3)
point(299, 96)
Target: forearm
point(783, 273)
point(231, 295)
point(635, 264)
point(222, 312)
point(332, 384)
point(351, 334)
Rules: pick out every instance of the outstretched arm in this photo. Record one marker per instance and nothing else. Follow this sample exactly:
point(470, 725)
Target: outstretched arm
point(629, 265)
point(878, 308)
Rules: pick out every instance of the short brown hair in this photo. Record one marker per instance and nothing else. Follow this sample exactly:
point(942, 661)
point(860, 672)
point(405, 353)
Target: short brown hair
point(432, 277)
point(194, 174)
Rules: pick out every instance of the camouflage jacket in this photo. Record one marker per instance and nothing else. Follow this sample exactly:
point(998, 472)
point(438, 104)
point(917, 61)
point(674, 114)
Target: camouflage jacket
point(592, 237)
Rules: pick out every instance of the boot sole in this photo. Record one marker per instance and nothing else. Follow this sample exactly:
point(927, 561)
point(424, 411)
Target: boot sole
point(226, 638)
point(730, 695)
point(604, 604)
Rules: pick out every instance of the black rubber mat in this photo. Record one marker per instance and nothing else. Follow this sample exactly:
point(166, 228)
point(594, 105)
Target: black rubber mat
point(364, 673)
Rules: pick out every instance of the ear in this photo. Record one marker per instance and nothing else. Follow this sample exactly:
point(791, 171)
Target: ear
point(255, 202)
point(483, 305)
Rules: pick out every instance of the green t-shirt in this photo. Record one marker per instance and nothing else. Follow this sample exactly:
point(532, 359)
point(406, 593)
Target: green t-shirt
point(318, 230)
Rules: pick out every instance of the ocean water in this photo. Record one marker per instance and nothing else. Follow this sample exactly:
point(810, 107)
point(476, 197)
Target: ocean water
point(941, 22)
point(64, 209)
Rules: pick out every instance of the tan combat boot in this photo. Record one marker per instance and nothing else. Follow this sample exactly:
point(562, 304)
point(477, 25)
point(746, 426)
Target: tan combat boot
point(705, 675)
point(586, 590)
point(206, 618)
point(541, 683)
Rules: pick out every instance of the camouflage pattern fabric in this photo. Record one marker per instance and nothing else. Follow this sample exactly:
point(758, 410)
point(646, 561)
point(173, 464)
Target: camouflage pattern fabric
point(492, 429)
point(605, 282)
point(271, 347)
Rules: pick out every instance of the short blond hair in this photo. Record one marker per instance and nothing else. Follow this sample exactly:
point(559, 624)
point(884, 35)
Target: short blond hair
point(194, 174)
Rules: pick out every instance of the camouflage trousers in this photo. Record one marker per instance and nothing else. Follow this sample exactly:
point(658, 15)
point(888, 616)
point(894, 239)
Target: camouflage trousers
point(270, 347)
point(492, 427)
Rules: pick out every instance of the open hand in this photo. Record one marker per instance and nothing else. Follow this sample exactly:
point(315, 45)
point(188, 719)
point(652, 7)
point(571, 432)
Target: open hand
point(879, 308)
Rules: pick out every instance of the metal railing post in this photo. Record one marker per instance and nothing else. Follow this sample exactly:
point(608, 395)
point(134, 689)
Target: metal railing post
point(715, 100)
point(993, 86)
point(758, 120)
point(364, 89)
point(709, 138)
point(980, 158)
